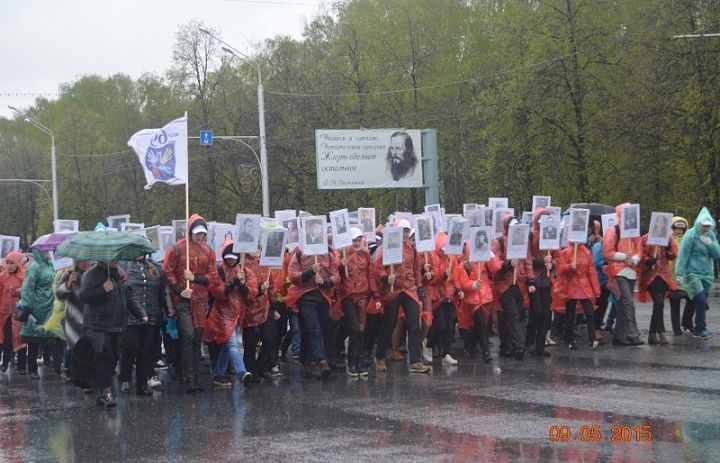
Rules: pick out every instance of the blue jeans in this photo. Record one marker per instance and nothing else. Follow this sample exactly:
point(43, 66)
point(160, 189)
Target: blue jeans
point(701, 306)
point(230, 352)
point(315, 318)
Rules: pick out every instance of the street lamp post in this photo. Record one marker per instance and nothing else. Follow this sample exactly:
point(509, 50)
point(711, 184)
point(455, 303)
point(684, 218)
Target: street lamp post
point(261, 118)
point(53, 162)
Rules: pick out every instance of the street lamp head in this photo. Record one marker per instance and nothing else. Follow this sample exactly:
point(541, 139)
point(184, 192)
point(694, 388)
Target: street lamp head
point(14, 108)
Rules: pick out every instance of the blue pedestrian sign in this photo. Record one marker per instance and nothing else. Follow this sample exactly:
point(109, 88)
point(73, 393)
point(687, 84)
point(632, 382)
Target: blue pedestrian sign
point(206, 137)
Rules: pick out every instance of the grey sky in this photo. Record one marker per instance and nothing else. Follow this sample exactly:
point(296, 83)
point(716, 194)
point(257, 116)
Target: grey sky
point(44, 43)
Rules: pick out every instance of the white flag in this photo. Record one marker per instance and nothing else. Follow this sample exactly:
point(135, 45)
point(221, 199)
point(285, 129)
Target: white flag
point(163, 153)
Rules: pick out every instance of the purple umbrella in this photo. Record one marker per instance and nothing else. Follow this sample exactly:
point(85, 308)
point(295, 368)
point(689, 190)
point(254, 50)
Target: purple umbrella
point(51, 241)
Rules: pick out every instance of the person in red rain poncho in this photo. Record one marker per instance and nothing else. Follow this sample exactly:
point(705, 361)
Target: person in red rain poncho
point(654, 281)
point(11, 280)
point(542, 263)
point(230, 302)
point(577, 282)
point(444, 296)
point(404, 283)
point(259, 324)
point(623, 256)
point(476, 306)
point(355, 291)
point(191, 304)
point(312, 283)
point(512, 292)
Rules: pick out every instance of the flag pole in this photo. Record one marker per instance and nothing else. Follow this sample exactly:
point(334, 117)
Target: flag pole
point(188, 232)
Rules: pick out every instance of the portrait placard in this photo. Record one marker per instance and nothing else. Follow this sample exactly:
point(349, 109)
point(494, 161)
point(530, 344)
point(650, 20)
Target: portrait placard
point(527, 217)
point(630, 221)
point(480, 238)
point(217, 234)
point(476, 217)
point(314, 236)
point(273, 247)
point(518, 236)
point(114, 221)
point(608, 220)
point(660, 229)
point(456, 236)
point(129, 227)
point(448, 219)
point(392, 246)
point(366, 216)
point(340, 222)
point(498, 214)
point(293, 230)
point(179, 230)
point(579, 221)
point(8, 244)
point(540, 201)
point(247, 233)
point(287, 214)
point(498, 203)
point(549, 232)
point(469, 207)
point(60, 263)
point(424, 237)
point(61, 226)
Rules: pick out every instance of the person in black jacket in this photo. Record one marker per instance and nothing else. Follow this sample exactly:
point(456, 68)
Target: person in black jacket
point(138, 346)
point(105, 303)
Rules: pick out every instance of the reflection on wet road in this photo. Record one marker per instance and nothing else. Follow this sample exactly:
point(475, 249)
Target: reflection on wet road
point(506, 411)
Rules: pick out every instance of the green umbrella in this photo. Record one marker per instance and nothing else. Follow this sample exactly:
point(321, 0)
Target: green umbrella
point(105, 246)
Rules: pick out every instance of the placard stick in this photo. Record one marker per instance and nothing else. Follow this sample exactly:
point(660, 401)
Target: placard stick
point(242, 261)
point(656, 251)
point(478, 270)
point(548, 270)
point(316, 259)
point(267, 279)
point(345, 259)
point(575, 254)
point(392, 273)
point(514, 275)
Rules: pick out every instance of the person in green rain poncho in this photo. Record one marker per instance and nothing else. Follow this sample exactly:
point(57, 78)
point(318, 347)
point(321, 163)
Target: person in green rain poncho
point(694, 266)
point(37, 296)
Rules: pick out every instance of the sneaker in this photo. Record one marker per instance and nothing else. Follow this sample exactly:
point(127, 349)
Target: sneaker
point(594, 345)
point(34, 375)
point(352, 370)
point(154, 382)
point(380, 365)
point(652, 339)
point(487, 357)
point(396, 356)
point(448, 360)
point(704, 335)
point(144, 391)
point(419, 367)
point(548, 340)
point(635, 342)
point(125, 387)
point(662, 339)
point(247, 379)
point(362, 371)
point(222, 381)
point(275, 372)
point(572, 346)
point(105, 401)
point(427, 355)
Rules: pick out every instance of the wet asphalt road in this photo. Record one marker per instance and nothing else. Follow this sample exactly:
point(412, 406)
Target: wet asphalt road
point(473, 412)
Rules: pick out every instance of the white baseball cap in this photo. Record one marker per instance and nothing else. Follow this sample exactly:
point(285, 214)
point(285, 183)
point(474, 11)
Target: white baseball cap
point(404, 223)
point(199, 228)
point(355, 232)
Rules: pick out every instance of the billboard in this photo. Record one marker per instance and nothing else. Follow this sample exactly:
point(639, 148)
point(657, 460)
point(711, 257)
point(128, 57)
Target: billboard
point(378, 158)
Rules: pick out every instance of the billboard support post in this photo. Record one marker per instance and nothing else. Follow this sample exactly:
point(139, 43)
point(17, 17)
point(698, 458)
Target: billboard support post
point(431, 172)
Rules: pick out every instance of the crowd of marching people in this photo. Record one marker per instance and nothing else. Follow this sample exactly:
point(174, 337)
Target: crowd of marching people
point(342, 311)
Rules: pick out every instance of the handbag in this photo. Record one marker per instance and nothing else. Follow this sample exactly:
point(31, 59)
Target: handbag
point(21, 313)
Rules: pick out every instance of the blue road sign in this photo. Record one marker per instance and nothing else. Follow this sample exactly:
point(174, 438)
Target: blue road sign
point(206, 137)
